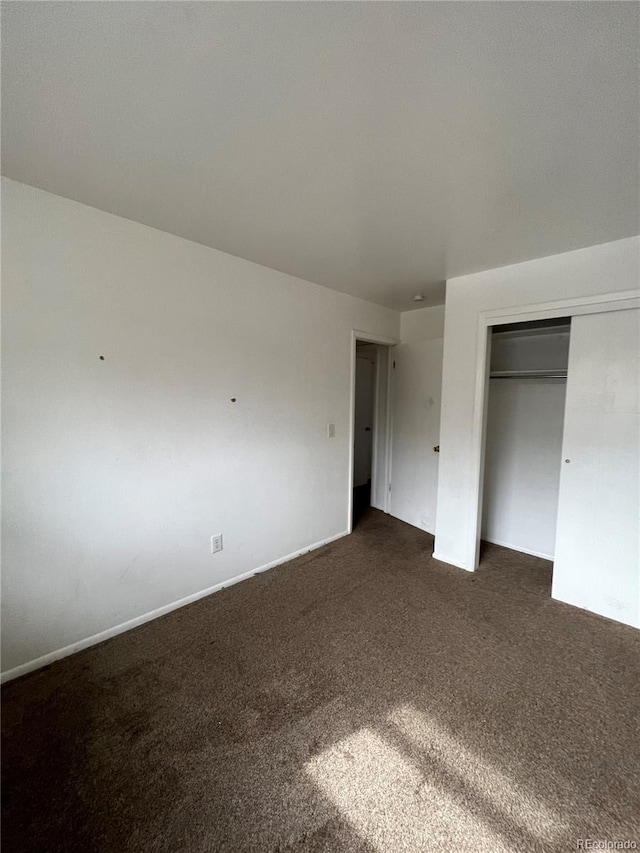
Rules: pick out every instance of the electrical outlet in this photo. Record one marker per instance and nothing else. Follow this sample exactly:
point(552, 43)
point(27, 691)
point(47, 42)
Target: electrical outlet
point(216, 543)
point(331, 430)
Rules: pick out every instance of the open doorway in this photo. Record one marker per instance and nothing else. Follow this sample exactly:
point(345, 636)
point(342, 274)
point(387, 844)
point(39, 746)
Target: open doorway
point(366, 368)
point(371, 427)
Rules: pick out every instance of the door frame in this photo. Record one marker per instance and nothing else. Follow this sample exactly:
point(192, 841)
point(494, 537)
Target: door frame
point(382, 424)
point(595, 304)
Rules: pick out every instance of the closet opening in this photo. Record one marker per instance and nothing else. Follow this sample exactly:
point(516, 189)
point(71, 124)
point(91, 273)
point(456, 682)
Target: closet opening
point(524, 434)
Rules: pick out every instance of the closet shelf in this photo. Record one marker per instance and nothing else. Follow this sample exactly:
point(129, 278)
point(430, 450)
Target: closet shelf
point(528, 374)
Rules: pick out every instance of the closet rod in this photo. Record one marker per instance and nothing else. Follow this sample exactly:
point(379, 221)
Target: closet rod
point(529, 374)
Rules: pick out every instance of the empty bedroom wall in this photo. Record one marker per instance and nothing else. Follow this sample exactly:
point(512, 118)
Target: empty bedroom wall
point(157, 392)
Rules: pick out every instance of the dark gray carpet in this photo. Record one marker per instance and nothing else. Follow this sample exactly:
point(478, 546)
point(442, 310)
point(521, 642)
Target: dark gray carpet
point(361, 698)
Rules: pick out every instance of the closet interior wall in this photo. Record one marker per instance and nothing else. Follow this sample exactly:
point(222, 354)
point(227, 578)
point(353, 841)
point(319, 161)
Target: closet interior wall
point(525, 417)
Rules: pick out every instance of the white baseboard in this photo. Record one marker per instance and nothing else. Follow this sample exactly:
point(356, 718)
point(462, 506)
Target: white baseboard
point(64, 652)
point(622, 616)
point(518, 548)
point(406, 521)
point(442, 559)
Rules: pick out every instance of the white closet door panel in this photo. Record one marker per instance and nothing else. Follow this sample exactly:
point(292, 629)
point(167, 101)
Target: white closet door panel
point(597, 565)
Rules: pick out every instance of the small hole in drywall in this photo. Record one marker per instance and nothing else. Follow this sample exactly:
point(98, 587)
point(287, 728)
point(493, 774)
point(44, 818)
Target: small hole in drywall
point(233, 399)
point(101, 358)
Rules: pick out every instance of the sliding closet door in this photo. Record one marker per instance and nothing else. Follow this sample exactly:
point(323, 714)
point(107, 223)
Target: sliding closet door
point(598, 531)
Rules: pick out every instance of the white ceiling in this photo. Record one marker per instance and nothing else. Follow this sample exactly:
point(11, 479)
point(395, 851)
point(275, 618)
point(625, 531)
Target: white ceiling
point(375, 148)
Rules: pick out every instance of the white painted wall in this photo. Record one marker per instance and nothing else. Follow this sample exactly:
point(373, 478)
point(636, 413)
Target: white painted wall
point(417, 381)
point(539, 349)
point(587, 273)
point(522, 468)
point(524, 443)
point(117, 472)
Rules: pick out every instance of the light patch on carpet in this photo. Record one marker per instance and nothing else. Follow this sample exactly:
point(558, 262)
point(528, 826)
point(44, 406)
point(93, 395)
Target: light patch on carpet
point(496, 792)
point(390, 804)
